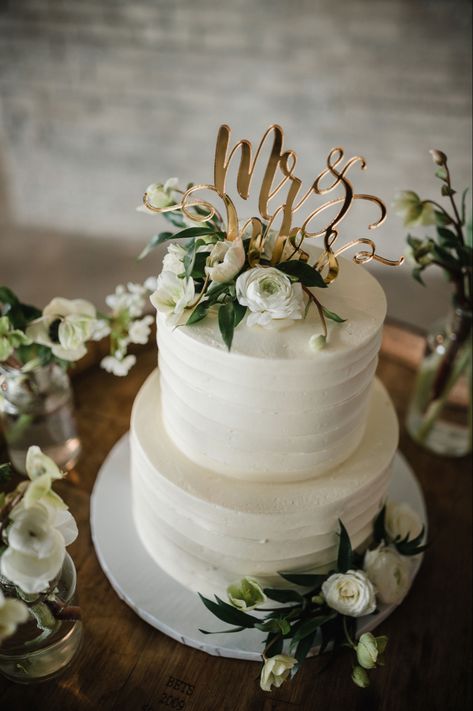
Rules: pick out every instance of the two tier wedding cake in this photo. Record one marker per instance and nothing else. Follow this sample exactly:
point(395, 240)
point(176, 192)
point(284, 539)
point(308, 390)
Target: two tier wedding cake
point(264, 424)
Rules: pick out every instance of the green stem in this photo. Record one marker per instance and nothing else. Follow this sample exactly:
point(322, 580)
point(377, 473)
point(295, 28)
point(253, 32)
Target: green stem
point(347, 634)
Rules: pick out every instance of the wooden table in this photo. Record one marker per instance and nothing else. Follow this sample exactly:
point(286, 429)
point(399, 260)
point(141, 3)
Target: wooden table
point(126, 665)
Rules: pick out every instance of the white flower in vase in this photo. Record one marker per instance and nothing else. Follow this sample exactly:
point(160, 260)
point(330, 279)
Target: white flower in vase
point(351, 593)
point(225, 260)
point(269, 294)
point(172, 296)
point(36, 545)
point(117, 365)
point(276, 670)
point(65, 326)
point(12, 613)
point(389, 572)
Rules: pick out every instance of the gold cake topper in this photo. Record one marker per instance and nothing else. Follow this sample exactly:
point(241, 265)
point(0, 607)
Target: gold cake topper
point(278, 174)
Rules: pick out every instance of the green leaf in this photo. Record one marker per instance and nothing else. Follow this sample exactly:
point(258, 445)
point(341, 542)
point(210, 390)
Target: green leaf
point(230, 631)
point(304, 579)
point(307, 275)
point(332, 315)
point(463, 204)
point(441, 173)
point(277, 625)
point(442, 219)
point(416, 273)
point(226, 322)
point(311, 625)
point(7, 296)
point(345, 552)
point(198, 270)
point(240, 312)
point(229, 614)
point(5, 472)
point(154, 242)
point(446, 191)
point(379, 527)
point(275, 641)
point(200, 312)
point(280, 595)
point(304, 646)
point(447, 237)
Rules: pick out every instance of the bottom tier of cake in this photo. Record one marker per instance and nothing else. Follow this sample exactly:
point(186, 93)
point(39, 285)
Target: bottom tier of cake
point(207, 530)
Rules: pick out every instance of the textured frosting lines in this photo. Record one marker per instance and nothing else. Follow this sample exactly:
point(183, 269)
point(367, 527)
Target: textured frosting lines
point(263, 419)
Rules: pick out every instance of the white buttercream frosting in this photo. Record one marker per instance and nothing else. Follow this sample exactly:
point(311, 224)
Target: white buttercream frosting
point(272, 409)
point(208, 530)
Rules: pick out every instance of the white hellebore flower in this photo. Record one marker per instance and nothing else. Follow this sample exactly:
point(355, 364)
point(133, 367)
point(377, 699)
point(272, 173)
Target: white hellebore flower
point(246, 594)
point(12, 613)
point(139, 331)
point(37, 540)
point(350, 593)
point(414, 211)
point(65, 326)
point(42, 471)
point(172, 296)
point(276, 670)
point(401, 521)
point(118, 366)
point(269, 294)
point(389, 572)
point(225, 260)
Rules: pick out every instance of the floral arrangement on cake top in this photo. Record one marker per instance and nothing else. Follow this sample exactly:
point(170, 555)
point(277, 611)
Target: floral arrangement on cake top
point(322, 610)
point(252, 269)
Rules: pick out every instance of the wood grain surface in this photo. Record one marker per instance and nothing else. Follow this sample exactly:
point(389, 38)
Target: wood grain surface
point(126, 665)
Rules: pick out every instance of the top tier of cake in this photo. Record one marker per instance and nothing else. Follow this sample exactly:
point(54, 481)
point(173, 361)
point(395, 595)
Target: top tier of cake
point(273, 409)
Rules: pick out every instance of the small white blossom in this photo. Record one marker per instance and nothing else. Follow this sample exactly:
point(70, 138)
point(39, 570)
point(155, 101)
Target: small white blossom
point(389, 572)
point(118, 366)
point(269, 294)
point(101, 330)
point(131, 300)
point(276, 670)
point(139, 331)
point(12, 613)
point(172, 296)
point(225, 260)
point(350, 593)
point(317, 342)
point(150, 283)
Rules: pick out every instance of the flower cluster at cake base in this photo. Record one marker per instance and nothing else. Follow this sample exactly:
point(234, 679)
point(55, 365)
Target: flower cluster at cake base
point(322, 611)
point(35, 529)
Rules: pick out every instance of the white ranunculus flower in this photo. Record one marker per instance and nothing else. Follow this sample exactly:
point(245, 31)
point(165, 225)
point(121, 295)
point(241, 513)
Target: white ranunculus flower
point(173, 259)
point(12, 613)
point(389, 572)
point(402, 521)
point(172, 296)
point(138, 331)
point(65, 326)
point(36, 546)
point(225, 260)
point(350, 593)
point(269, 294)
point(276, 670)
point(118, 366)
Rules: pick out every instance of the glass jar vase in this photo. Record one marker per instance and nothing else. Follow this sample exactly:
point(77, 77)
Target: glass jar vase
point(43, 646)
point(36, 407)
point(439, 416)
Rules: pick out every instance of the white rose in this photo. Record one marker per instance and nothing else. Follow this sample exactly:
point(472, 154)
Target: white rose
point(65, 326)
point(389, 572)
point(139, 331)
point(118, 366)
point(12, 613)
point(225, 260)
point(269, 294)
point(350, 593)
point(172, 296)
point(37, 539)
point(276, 670)
point(401, 521)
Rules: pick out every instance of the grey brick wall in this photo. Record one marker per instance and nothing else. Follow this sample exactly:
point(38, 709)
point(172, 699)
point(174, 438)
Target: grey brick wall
point(98, 98)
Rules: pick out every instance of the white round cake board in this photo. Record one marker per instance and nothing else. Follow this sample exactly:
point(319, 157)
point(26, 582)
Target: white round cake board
point(159, 599)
